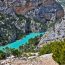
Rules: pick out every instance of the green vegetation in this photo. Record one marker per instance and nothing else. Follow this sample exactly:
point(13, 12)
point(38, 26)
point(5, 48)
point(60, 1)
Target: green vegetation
point(22, 51)
point(30, 46)
point(16, 52)
point(58, 50)
point(2, 55)
point(20, 36)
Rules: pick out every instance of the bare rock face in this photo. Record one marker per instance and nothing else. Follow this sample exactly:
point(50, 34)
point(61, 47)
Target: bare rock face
point(59, 12)
point(40, 9)
point(41, 60)
point(44, 10)
point(48, 2)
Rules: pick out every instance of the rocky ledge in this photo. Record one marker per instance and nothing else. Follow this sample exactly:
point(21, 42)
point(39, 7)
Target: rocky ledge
point(41, 60)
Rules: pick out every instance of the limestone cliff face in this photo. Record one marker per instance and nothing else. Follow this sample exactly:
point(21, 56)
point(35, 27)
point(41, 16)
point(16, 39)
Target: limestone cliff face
point(41, 10)
point(53, 5)
point(48, 2)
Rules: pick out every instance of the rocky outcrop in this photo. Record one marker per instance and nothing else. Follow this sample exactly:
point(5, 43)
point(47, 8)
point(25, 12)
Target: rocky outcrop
point(41, 60)
point(43, 11)
point(53, 35)
point(40, 9)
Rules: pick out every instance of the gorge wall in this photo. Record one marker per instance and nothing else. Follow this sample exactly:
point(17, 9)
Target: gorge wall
point(27, 10)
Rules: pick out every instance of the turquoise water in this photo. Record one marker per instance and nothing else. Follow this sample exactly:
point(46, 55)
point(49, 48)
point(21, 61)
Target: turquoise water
point(21, 42)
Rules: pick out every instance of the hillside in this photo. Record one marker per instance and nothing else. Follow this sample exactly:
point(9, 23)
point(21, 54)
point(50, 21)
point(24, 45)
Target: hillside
point(25, 16)
point(40, 9)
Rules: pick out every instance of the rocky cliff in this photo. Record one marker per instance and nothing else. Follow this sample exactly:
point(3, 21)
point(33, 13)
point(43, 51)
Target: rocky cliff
point(41, 9)
point(25, 16)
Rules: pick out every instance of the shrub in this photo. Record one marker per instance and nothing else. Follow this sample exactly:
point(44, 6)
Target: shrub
point(45, 50)
point(16, 52)
point(2, 55)
point(58, 50)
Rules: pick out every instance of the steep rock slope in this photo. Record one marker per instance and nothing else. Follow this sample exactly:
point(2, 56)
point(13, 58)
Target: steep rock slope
point(40, 9)
point(12, 25)
point(43, 10)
